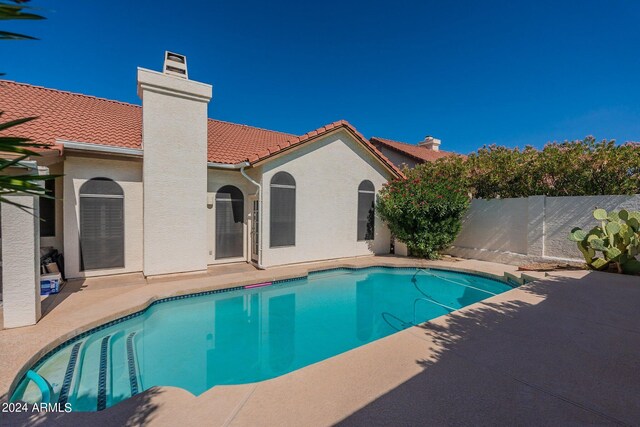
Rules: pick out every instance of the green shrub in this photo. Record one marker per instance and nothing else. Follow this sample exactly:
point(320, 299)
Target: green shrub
point(617, 238)
point(570, 168)
point(425, 210)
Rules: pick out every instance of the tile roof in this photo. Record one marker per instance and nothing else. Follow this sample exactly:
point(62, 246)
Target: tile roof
point(422, 154)
point(82, 118)
point(70, 116)
point(233, 143)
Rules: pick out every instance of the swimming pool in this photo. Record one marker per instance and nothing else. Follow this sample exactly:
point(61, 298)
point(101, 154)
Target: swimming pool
point(247, 334)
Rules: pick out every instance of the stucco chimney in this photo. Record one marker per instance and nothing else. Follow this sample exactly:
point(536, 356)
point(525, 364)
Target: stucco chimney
point(430, 143)
point(174, 140)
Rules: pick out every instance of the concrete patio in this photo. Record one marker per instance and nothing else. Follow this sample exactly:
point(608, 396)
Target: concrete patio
point(563, 350)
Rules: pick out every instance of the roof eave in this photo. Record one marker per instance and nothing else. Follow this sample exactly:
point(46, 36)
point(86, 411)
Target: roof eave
point(99, 148)
point(228, 166)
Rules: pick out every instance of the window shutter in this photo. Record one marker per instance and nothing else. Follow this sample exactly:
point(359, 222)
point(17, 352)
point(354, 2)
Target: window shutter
point(101, 224)
point(283, 210)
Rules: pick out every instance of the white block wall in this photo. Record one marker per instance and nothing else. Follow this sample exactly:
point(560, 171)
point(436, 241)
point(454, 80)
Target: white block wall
point(531, 229)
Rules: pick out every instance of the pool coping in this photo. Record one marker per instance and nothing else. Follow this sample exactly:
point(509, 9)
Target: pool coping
point(135, 311)
point(520, 347)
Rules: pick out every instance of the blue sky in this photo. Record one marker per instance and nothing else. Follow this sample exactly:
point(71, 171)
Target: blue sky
point(468, 72)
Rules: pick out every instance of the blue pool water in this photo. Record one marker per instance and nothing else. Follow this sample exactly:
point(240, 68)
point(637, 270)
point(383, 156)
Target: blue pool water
point(248, 335)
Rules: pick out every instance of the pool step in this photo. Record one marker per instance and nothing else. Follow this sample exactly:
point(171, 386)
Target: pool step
point(99, 372)
point(102, 375)
point(68, 376)
point(132, 364)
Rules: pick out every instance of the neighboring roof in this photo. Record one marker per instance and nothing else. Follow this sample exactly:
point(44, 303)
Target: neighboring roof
point(422, 154)
point(81, 118)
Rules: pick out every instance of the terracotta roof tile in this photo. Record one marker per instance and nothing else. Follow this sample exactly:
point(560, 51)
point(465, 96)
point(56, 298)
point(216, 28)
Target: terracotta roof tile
point(70, 116)
point(82, 118)
point(422, 154)
point(232, 143)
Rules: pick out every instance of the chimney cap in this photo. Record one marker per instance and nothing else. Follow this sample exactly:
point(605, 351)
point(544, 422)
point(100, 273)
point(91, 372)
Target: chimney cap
point(430, 143)
point(175, 65)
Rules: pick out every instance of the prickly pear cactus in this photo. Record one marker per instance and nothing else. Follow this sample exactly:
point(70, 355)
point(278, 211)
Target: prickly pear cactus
point(615, 241)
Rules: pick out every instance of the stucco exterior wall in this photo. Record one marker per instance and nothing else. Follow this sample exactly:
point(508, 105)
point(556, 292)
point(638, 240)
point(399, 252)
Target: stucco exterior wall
point(20, 261)
point(327, 173)
point(531, 229)
point(128, 174)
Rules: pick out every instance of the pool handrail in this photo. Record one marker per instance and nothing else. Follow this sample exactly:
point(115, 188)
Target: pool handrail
point(431, 300)
point(43, 385)
point(429, 272)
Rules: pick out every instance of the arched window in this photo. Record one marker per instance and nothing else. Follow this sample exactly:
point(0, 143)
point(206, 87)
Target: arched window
point(101, 224)
point(283, 210)
point(229, 222)
point(366, 210)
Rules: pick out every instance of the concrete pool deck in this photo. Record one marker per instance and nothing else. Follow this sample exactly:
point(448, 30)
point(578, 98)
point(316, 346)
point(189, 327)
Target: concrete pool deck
point(564, 350)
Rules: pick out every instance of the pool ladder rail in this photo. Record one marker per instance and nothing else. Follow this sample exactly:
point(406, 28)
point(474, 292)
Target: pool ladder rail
point(45, 388)
point(428, 298)
point(414, 280)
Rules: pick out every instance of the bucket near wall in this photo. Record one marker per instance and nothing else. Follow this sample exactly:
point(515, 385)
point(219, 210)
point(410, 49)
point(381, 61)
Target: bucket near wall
point(50, 283)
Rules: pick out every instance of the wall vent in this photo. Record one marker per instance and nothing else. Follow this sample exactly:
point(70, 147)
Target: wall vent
point(175, 65)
